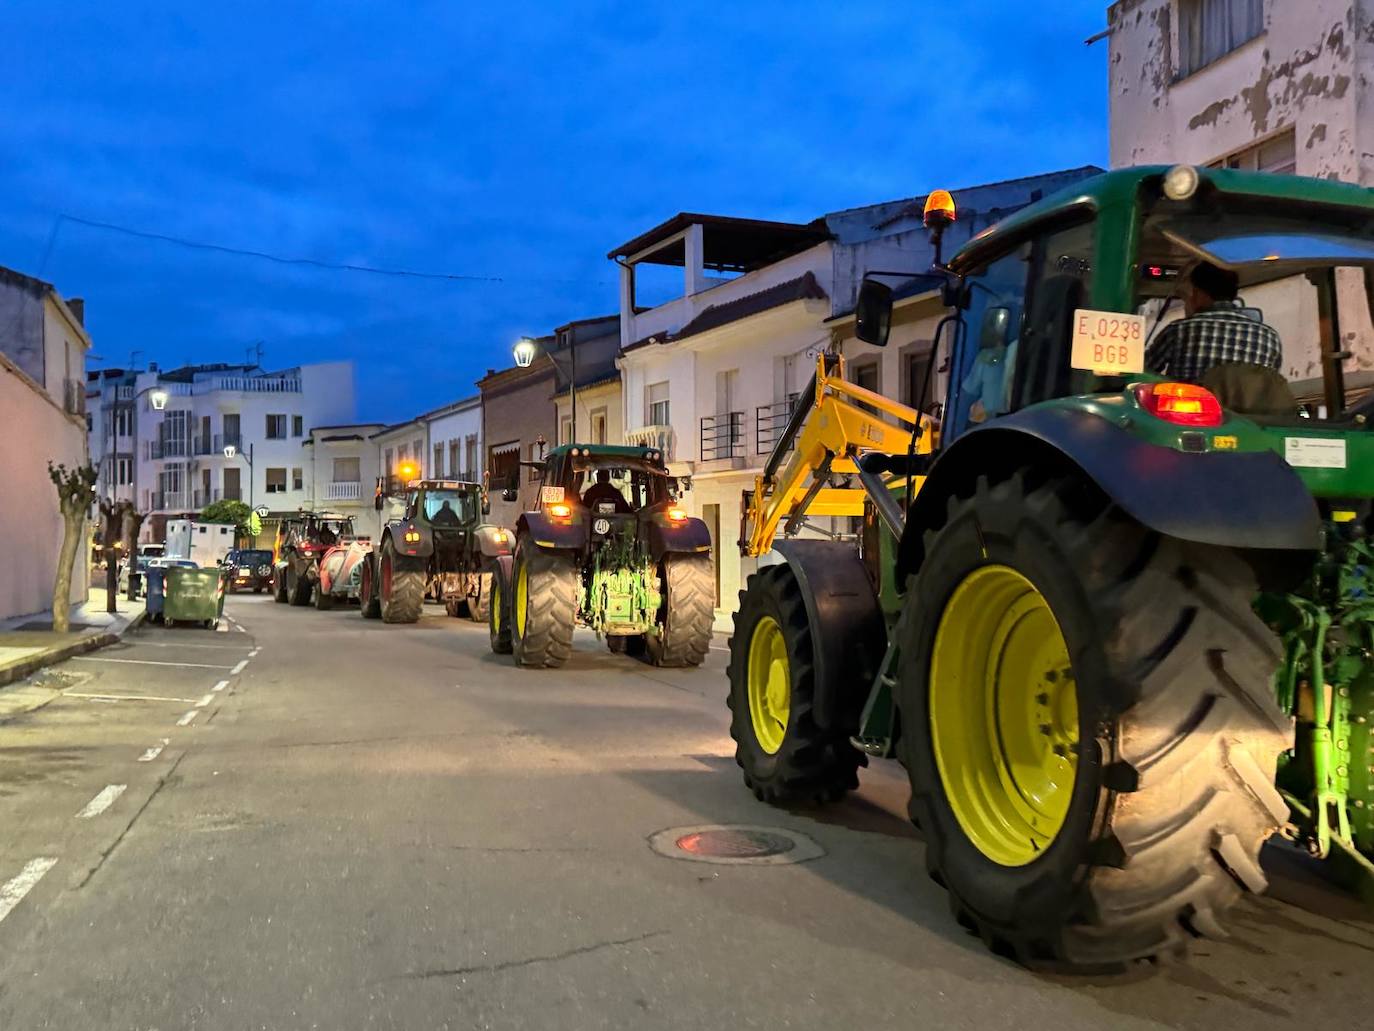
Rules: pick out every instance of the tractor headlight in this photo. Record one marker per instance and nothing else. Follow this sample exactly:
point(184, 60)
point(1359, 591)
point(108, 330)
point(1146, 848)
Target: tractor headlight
point(1181, 182)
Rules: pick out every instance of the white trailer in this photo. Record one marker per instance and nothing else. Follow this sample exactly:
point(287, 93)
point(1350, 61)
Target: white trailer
point(205, 544)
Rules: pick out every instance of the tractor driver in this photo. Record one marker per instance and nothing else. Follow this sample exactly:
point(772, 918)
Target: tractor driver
point(603, 491)
point(1215, 332)
point(445, 516)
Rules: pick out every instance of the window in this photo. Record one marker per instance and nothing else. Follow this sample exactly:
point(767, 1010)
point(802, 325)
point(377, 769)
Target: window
point(471, 465)
point(402, 453)
point(978, 389)
point(917, 368)
point(124, 471)
point(419, 451)
point(276, 427)
point(122, 421)
point(297, 479)
point(599, 426)
point(438, 461)
point(1278, 154)
point(276, 481)
point(502, 462)
point(536, 455)
point(455, 466)
point(565, 430)
point(347, 470)
point(1211, 29)
point(868, 375)
point(387, 463)
point(656, 404)
point(297, 426)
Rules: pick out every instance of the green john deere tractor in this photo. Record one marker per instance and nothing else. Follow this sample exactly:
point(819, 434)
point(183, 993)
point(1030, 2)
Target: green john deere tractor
point(1118, 629)
point(621, 557)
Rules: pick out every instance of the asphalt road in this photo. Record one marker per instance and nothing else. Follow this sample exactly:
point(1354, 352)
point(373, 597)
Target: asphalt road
point(317, 821)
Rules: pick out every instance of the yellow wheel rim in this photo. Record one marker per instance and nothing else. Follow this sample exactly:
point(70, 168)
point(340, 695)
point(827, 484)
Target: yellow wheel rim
point(770, 684)
point(1004, 715)
point(494, 601)
point(522, 593)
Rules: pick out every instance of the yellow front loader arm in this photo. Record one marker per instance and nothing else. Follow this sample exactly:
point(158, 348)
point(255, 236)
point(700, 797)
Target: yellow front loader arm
point(835, 424)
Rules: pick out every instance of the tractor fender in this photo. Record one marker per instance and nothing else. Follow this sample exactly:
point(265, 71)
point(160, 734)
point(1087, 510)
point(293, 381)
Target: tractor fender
point(412, 551)
point(554, 534)
point(665, 537)
point(848, 633)
point(492, 541)
point(1245, 500)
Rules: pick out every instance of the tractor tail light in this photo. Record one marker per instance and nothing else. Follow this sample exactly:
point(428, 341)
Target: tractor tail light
point(677, 515)
point(412, 536)
point(1184, 404)
point(559, 510)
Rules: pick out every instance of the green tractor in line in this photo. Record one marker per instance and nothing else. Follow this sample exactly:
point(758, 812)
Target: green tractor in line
point(1117, 629)
point(627, 562)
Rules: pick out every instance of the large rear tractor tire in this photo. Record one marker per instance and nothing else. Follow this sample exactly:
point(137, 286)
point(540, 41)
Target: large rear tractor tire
point(401, 586)
point(279, 592)
point(543, 606)
point(688, 586)
point(324, 601)
point(481, 600)
point(498, 610)
point(369, 604)
point(298, 587)
point(785, 756)
point(1088, 726)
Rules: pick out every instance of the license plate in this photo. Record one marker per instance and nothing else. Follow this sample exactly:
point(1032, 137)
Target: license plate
point(1108, 342)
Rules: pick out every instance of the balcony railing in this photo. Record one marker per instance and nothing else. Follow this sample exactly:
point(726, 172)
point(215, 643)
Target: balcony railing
point(660, 437)
point(769, 422)
point(344, 490)
point(722, 436)
point(168, 448)
point(174, 501)
point(224, 440)
point(203, 444)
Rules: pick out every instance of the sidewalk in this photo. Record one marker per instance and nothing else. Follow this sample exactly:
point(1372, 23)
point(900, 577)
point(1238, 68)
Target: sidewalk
point(27, 645)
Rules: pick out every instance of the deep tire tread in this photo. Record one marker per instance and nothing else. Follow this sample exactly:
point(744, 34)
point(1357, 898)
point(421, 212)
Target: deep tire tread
point(689, 612)
point(551, 613)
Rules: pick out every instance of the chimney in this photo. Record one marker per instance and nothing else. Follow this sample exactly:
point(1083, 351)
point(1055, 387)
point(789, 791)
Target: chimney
point(77, 305)
point(152, 366)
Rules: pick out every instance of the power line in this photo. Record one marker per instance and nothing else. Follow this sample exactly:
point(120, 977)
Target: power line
point(332, 266)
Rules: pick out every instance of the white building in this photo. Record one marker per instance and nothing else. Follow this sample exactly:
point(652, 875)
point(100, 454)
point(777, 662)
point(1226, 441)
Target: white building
point(453, 435)
point(231, 432)
point(43, 346)
point(343, 471)
point(711, 375)
point(1270, 85)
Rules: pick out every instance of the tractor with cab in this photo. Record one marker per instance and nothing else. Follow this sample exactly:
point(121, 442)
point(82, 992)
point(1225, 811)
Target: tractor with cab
point(1117, 627)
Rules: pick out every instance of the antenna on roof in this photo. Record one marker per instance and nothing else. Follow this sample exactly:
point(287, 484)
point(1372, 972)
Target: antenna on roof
point(133, 359)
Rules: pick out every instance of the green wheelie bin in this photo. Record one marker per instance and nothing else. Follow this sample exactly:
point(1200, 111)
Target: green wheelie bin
point(193, 596)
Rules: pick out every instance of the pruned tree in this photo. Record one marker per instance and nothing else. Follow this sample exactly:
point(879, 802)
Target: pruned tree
point(227, 510)
point(75, 492)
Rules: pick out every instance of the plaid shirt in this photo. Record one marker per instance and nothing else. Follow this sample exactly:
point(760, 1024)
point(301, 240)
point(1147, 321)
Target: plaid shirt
point(1214, 336)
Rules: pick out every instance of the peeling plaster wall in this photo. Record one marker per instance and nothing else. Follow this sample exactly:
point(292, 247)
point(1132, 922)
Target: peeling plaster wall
point(1309, 71)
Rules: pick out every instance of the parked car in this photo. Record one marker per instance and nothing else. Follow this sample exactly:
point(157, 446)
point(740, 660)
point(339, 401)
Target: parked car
point(249, 568)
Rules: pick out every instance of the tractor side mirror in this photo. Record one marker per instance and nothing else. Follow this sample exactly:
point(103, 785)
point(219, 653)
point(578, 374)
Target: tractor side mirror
point(873, 313)
point(510, 494)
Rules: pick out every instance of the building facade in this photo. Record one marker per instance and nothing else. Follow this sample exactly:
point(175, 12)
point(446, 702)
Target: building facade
point(712, 375)
point(584, 359)
point(1268, 85)
point(43, 346)
point(454, 440)
point(343, 471)
point(518, 424)
point(204, 433)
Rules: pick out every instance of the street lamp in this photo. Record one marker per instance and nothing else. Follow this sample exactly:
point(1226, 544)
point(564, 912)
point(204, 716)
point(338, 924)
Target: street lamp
point(231, 452)
point(524, 352)
point(158, 399)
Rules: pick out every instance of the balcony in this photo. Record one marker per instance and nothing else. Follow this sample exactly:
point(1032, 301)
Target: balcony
point(203, 444)
point(769, 422)
point(722, 436)
point(174, 501)
point(344, 490)
point(224, 440)
point(660, 437)
point(168, 449)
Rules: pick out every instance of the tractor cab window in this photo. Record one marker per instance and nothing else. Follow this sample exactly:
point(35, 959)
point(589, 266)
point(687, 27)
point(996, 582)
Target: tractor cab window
point(608, 485)
point(1060, 282)
point(449, 507)
point(979, 380)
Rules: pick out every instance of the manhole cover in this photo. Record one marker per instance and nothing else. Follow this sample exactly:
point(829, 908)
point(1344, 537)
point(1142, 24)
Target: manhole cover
point(736, 843)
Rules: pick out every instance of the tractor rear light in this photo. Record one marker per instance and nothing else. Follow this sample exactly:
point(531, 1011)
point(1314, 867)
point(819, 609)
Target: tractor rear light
point(677, 515)
point(1184, 404)
point(559, 510)
point(412, 536)
point(500, 536)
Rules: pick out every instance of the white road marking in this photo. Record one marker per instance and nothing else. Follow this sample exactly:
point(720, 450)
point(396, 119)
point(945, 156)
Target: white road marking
point(213, 647)
point(716, 648)
point(186, 720)
point(240, 629)
point(145, 662)
point(152, 753)
point(205, 701)
point(220, 686)
point(123, 697)
point(102, 801)
point(254, 652)
point(12, 892)
point(239, 668)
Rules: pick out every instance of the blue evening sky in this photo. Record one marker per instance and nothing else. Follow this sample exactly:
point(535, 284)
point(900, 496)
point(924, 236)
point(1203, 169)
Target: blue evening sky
point(517, 141)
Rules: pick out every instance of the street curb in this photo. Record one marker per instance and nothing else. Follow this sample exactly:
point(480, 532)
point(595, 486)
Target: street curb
point(34, 663)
